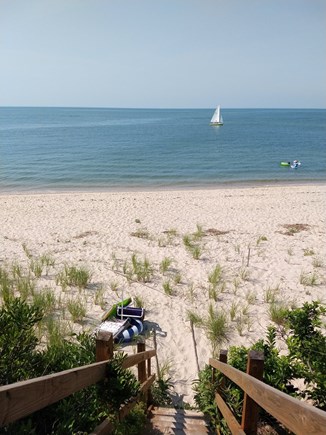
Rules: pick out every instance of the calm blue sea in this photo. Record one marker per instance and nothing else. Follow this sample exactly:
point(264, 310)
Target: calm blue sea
point(53, 149)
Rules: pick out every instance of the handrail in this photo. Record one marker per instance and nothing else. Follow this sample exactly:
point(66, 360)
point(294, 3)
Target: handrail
point(132, 360)
point(21, 399)
point(296, 415)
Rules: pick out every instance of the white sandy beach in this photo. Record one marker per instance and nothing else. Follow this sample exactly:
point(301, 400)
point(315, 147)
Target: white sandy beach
point(95, 230)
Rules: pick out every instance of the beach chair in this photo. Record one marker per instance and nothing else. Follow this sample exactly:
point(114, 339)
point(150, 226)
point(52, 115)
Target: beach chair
point(130, 312)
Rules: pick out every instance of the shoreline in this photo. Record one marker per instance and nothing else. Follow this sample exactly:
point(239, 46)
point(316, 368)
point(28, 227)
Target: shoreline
point(103, 230)
point(182, 188)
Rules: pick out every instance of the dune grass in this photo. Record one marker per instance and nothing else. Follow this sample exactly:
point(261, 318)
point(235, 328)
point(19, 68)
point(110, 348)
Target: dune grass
point(77, 309)
point(216, 328)
point(73, 276)
point(165, 264)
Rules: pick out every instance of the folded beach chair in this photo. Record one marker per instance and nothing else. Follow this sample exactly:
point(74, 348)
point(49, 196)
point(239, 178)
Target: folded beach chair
point(130, 312)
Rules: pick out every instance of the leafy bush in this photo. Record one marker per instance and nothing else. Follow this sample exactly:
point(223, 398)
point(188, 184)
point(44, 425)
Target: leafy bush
point(204, 396)
point(19, 359)
point(22, 358)
point(306, 342)
point(160, 391)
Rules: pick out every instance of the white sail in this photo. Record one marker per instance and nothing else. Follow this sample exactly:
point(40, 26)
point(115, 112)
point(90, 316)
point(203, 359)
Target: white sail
point(217, 117)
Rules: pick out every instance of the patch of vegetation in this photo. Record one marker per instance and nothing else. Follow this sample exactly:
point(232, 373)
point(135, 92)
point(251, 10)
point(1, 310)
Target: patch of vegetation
point(216, 328)
point(278, 311)
point(141, 233)
point(271, 293)
point(261, 239)
point(77, 309)
point(309, 279)
point(162, 388)
point(22, 358)
point(142, 270)
point(215, 277)
point(199, 233)
point(138, 270)
point(168, 289)
point(165, 264)
point(292, 229)
point(73, 276)
point(193, 248)
point(304, 336)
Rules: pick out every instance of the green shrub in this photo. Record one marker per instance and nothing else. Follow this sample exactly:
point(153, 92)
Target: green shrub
point(6, 288)
point(162, 386)
point(204, 397)
point(306, 342)
point(120, 385)
point(21, 357)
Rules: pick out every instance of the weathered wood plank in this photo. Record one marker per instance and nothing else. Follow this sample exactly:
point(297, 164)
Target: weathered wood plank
point(250, 410)
point(142, 365)
point(104, 346)
point(232, 422)
point(23, 398)
point(296, 415)
point(147, 384)
point(132, 360)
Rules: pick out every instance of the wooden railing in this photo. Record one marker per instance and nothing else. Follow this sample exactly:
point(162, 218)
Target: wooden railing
point(21, 399)
point(297, 416)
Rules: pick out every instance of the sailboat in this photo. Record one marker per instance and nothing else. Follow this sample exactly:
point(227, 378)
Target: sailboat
point(217, 117)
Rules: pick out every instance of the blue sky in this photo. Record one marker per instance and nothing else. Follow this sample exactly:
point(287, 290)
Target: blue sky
point(163, 53)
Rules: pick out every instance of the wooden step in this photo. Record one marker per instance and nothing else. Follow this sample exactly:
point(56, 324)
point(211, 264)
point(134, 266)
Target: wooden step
point(176, 421)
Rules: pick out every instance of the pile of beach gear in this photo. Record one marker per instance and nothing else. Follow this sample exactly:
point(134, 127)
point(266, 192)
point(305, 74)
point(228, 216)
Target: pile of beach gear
point(124, 321)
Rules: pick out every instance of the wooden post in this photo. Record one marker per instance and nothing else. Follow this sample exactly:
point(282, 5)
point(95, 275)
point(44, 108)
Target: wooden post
point(142, 365)
point(224, 359)
point(156, 357)
point(142, 368)
point(149, 373)
point(250, 412)
point(104, 346)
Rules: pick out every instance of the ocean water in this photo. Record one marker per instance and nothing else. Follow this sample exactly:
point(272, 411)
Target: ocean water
point(54, 149)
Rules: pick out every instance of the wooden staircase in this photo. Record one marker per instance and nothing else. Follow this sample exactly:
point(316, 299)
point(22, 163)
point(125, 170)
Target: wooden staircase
point(176, 421)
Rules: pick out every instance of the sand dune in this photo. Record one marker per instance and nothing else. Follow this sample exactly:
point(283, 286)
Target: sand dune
point(249, 232)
